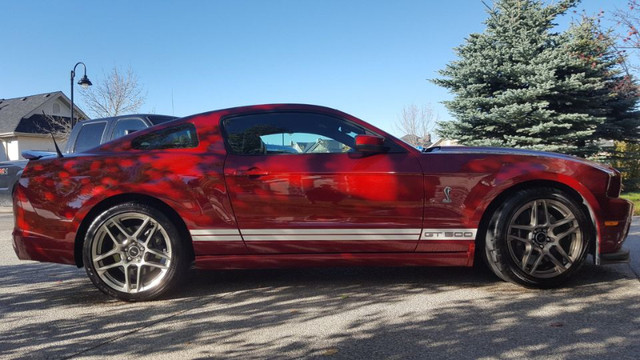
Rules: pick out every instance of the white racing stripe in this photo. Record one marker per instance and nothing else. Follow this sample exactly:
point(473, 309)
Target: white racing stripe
point(217, 238)
point(333, 234)
point(329, 231)
point(328, 237)
point(215, 232)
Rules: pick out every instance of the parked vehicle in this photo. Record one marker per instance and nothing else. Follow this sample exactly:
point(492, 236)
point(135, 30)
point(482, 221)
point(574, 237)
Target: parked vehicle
point(10, 172)
point(90, 133)
point(218, 190)
point(86, 134)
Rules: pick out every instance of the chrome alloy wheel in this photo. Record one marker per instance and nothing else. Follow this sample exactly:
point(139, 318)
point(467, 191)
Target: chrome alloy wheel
point(131, 252)
point(544, 238)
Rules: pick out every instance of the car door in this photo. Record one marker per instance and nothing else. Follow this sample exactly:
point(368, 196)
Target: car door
point(297, 186)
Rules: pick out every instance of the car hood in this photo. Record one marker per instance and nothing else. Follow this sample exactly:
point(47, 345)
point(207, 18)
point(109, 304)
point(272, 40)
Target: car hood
point(520, 152)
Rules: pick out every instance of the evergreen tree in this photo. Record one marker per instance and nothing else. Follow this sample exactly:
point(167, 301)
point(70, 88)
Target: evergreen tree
point(594, 53)
point(519, 84)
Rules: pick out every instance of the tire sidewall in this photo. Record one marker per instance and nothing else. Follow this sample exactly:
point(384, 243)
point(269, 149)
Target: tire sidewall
point(178, 258)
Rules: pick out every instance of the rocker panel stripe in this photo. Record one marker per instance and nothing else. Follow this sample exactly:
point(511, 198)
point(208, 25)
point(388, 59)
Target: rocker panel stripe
point(334, 234)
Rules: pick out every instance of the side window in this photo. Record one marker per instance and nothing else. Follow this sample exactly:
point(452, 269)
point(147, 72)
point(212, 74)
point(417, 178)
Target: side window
point(90, 136)
point(290, 133)
point(126, 126)
point(177, 137)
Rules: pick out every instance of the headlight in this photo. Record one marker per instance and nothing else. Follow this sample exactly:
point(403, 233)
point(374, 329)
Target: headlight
point(615, 185)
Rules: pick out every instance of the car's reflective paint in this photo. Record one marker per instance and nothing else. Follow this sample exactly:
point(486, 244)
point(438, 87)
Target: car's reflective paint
point(298, 210)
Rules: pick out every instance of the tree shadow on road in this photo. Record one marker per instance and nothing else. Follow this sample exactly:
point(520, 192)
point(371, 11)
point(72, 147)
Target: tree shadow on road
point(53, 311)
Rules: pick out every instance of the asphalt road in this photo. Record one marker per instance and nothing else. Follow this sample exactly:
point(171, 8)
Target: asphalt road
point(53, 311)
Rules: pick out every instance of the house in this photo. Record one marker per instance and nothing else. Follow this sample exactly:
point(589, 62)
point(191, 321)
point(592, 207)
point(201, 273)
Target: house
point(25, 123)
point(446, 142)
point(417, 141)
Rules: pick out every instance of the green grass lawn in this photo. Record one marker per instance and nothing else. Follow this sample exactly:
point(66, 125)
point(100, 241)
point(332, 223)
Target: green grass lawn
point(635, 197)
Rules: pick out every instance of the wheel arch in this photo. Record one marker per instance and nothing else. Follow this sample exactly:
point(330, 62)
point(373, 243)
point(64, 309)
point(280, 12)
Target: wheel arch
point(580, 199)
point(121, 199)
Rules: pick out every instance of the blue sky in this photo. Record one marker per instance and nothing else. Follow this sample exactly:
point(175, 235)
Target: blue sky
point(367, 58)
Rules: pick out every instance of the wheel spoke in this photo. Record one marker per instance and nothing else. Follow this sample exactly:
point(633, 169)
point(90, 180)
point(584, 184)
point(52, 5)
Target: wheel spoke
point(534, 213)
point(102, 269)
point(138, 276)
point(113, 237)
point(535, 265)
point(545, 210)
point(556, 262)
point(521, 239)
point(573, 229)
point(522, 227)
point(526, 256)
point(152, 232)
point(145, 222)
point(127, 282)
point(120, 228)
point(158, 254)
point(563, 253)
point(152, 264)
point(107, 254)
point(564, 221)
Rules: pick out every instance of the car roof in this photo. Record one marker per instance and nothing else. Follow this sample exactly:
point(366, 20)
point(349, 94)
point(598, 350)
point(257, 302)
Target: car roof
point(113, 118)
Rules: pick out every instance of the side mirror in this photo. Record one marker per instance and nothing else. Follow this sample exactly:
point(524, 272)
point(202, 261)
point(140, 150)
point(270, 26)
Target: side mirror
point(370, 144)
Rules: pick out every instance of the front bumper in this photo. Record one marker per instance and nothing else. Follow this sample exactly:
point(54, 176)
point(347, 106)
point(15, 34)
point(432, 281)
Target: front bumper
point(613, 230)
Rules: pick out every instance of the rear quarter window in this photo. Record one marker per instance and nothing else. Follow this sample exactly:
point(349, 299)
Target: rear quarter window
point(177, 137)
point(90, 136)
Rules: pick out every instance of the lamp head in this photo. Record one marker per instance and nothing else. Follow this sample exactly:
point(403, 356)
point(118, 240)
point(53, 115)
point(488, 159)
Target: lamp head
point(85, 82)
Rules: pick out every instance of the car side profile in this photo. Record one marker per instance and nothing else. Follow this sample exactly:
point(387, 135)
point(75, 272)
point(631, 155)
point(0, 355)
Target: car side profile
point(287, 185)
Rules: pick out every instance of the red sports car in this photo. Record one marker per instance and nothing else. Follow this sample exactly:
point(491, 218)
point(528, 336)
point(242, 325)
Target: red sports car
point(299, 185)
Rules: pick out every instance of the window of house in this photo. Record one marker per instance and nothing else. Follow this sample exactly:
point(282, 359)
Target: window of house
point(177, 137)
point(56, 109)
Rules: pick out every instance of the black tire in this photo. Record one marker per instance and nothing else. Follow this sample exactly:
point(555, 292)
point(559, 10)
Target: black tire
point(133, 252)
point(545, 252)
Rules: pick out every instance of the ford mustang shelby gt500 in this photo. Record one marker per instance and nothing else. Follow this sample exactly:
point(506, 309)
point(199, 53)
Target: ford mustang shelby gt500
point(301, 185)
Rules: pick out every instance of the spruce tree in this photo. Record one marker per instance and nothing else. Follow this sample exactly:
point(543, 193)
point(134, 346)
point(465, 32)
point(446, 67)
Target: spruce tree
point(520, 84)
point(595, 53)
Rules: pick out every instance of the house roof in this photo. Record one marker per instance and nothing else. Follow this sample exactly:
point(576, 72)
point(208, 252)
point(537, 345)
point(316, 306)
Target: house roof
point(13, 112)
point(410, 138)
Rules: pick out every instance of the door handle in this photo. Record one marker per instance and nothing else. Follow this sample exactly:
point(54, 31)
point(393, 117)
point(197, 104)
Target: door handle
point(251, 172)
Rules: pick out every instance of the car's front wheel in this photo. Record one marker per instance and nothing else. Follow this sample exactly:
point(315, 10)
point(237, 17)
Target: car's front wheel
point(134, 252)
point(538, 237)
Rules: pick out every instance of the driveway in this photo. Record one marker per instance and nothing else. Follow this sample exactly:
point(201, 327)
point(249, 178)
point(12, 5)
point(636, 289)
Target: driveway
point(53, 311)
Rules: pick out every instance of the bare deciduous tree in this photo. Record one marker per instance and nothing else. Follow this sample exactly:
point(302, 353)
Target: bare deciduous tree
point(59, 126)
point(629, 19)
point(417, 121)
point(120, 93)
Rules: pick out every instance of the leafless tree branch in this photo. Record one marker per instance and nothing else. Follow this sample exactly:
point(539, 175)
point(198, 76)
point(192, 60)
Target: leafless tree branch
point(418, 121)
point(118, 94)
point(59, 126)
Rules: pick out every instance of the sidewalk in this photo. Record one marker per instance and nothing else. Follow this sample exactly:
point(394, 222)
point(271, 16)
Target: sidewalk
point(6, 209)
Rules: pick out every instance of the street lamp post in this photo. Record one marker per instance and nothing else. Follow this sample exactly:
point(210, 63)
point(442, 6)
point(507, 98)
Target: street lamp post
point(84, 82)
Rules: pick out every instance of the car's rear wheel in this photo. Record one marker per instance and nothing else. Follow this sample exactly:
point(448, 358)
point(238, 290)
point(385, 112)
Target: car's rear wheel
point(538, 237)
point(134, 252)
